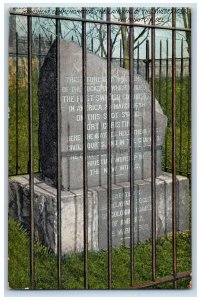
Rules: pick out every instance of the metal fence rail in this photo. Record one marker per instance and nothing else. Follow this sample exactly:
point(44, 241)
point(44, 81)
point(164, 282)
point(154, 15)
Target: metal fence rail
point(131, 25)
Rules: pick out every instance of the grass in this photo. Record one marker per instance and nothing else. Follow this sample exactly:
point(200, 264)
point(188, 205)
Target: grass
point(183, 123)
point(72, 265)
point(22, 122)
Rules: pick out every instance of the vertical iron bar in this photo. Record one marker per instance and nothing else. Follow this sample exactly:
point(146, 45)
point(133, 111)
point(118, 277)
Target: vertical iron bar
point(131, 90)
point(120, 54)
point(153, 147)
point(147, 60)
point(114, 153)
point(109, 167)
point(31, 152)
point(189, 107)
point(138, 58)
point(166, 105)
point(174, 143)
point(17, 108)
point(181, 104)
point(189, 120)
point(92, 45)
point(40, 63)
point(58, 116)
point(85, 172)
point(39, 51)
point(99, 131)
point(111, 49)
point(68, 158)
point(160, 71)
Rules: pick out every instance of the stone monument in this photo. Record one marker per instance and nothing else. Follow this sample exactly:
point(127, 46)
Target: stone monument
point(72, 157)
point(71, 120)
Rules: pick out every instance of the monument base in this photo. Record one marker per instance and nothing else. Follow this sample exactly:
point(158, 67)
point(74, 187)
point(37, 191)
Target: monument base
point(45, 207)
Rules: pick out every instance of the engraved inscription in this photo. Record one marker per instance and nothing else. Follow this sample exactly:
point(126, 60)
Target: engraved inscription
point(96, 124)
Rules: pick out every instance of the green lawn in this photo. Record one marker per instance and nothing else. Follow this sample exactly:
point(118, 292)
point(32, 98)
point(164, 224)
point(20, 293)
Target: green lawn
point(72, 266)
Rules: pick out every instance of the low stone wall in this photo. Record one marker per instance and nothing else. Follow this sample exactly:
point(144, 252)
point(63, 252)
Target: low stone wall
point(45, 207)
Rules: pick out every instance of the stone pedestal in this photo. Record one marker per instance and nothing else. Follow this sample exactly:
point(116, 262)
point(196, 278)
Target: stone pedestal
point(45, 207)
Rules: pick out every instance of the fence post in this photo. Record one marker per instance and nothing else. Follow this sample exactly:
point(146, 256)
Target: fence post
point(120, 53)
point(17, 108)
point(181, 104)
point(153, 146)
point(101, 52)
point(31, 151)
point(85, 172)
point(131, 136)
point(189, 117)
point(40, 63)
point(147, 60)
point(111, 48)
point(99, 156)
point(58, 118)
point(166, 104)
point(39, 50)
point(174, 190)
point(92, 45)
point(138, 58)
point(109, 167)
point(160, 71)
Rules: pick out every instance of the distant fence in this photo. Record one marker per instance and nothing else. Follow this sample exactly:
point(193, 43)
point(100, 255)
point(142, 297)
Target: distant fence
point(41, 46)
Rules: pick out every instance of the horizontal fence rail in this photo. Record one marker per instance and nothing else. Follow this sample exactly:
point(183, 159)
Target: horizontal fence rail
point(159, 86)
point(102, 21)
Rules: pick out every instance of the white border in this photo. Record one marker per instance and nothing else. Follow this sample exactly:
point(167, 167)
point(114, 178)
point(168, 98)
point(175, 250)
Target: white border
point(196, 125)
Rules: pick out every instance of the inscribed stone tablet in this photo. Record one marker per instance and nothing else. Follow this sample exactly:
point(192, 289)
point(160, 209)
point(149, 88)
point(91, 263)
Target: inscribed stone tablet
point(72, 126)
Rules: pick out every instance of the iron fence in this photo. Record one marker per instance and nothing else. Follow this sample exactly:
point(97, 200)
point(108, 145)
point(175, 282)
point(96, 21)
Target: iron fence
point(163, 74)
point(158, 84)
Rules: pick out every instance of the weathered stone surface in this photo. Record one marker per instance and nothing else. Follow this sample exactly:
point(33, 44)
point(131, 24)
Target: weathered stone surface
point(45, 213)
point(71, 120)
point(72, 212)
point(142, 209)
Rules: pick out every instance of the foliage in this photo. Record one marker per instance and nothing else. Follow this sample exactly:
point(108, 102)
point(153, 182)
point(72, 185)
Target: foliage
point(18, 118)
point(183, 123)
point(72, 265)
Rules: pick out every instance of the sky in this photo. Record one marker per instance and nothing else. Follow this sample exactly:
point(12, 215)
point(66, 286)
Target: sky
point(46, 27)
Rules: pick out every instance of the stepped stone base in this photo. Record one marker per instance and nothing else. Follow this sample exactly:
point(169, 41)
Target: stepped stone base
point(72, 211)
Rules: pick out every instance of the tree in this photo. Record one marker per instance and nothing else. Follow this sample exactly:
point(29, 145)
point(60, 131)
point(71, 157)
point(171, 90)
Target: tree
point(98, 31)
point(186, 16)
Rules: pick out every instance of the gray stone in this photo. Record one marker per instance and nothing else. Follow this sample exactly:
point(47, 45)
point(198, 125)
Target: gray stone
point(72, 212)
point(45, 213)
point(71, 120)
point(143, 210)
